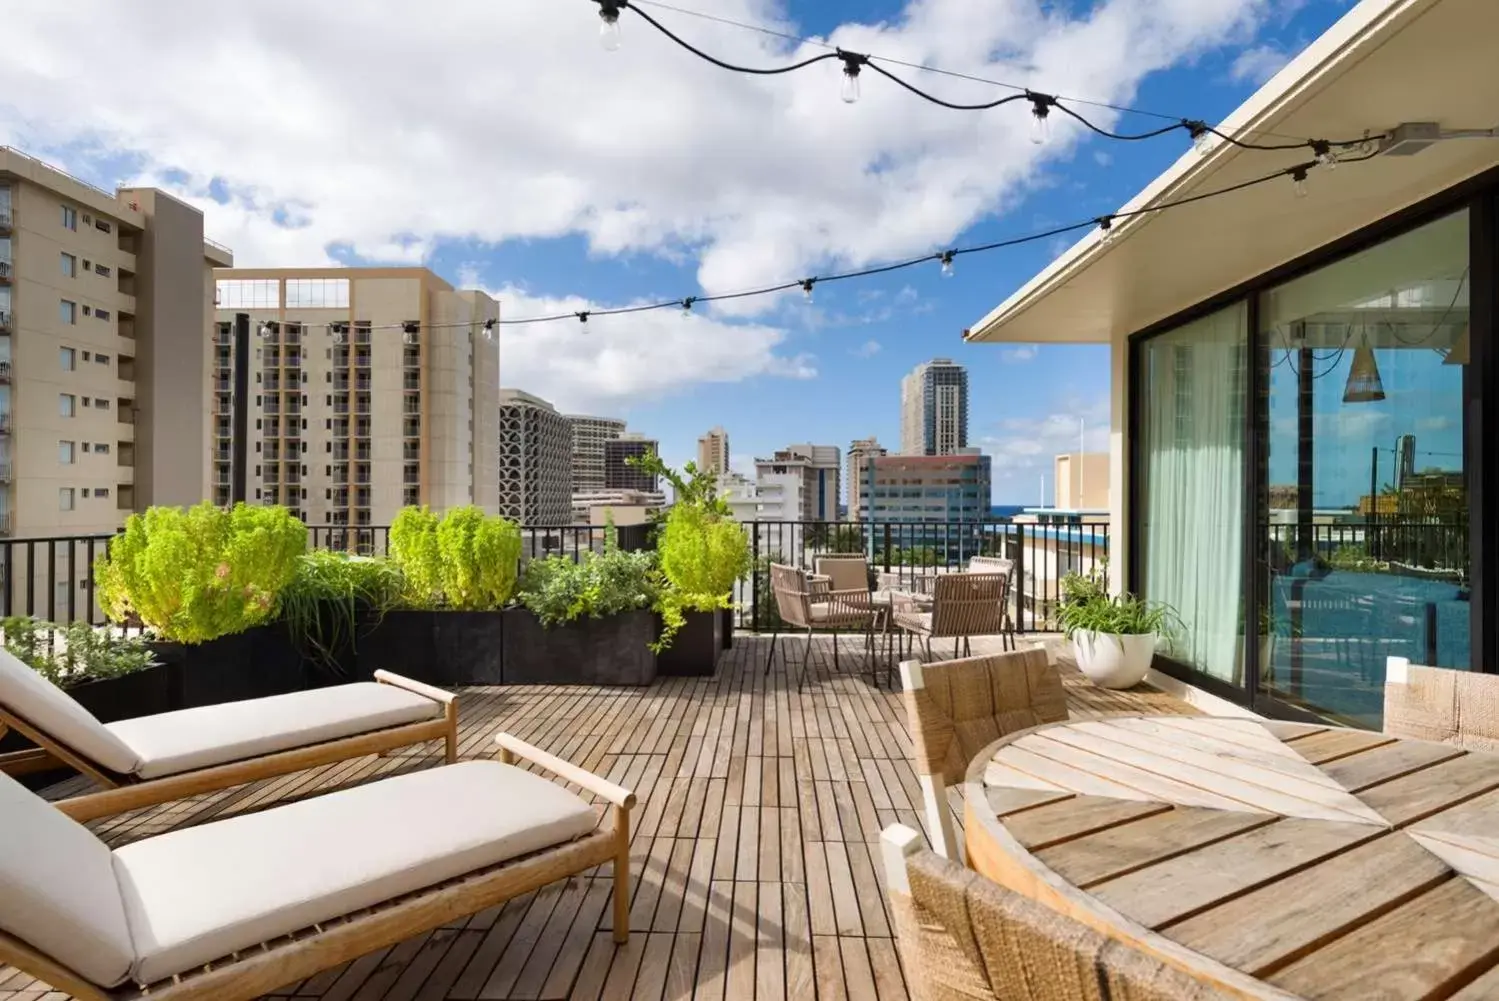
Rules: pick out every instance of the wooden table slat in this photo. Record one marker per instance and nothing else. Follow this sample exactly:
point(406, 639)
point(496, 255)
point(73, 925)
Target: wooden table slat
point(1111, 853)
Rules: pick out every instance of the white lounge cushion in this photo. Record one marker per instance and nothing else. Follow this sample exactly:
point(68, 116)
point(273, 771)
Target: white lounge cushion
point(57, 888)
point(54, 712)
point(182, 741)
point(195, 895)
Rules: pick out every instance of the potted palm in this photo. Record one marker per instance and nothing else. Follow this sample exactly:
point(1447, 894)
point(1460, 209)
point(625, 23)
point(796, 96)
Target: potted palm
point(1113, 637)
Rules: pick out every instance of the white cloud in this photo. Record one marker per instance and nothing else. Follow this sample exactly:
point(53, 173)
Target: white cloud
point(1258, 64)
point(1015, 355)
point(1437, 422)
point(383, 133)
point(866, 350)
point(611, 361)
point(1023, 447)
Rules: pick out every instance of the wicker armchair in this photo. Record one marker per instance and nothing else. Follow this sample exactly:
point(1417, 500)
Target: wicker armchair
point(1440, 704)
point(844, 573)
point(809, 603)
point(963, 605)
point(999, 564)
point(958, 707)
point(962, 936)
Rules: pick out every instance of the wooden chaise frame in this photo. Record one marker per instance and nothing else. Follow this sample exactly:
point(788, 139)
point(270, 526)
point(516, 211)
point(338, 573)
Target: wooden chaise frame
point(126, 792)
point(295, 957)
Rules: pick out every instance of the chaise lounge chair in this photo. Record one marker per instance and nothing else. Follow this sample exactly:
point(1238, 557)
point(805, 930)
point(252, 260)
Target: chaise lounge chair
point(156, 759)
point(233, 909)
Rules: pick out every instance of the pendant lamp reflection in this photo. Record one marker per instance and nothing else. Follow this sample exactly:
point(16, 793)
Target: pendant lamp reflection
point(1459, 353)
point(1364, 384)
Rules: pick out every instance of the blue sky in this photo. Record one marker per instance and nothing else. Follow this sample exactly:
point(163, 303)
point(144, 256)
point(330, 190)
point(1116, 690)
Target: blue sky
point(500, 146)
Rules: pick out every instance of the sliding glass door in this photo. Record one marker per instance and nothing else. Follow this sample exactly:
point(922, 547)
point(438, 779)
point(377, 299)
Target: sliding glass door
point(1362, 512)
point(1191, 488)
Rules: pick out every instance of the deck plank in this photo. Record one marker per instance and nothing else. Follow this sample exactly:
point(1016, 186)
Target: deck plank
point(754, 852)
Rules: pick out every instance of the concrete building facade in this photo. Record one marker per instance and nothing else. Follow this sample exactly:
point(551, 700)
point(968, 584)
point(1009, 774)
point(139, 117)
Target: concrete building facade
point(589, 436)
point(713, 452)
point(619, 473)
point(536, 457)
point(860, 451)
point(930, 499)
point(104, 300)
point(934, 409)
point(1082, 481)
point(371, 389)
point(798, 483)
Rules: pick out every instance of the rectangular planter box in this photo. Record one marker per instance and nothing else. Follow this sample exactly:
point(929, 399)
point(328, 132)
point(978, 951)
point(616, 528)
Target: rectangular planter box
point(468, 647)
point(144, 693)
point(609, 651)
point(728, 627)
point(694, 651)
point(254, 664)
point(402, 642)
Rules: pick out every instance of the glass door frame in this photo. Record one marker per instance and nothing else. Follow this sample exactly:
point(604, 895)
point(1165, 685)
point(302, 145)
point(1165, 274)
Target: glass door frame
point(1480, 196)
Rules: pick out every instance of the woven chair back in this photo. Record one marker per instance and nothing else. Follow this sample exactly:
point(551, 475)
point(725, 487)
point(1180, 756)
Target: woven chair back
point(789, 585)
point(969, 604)
point(1439, 704)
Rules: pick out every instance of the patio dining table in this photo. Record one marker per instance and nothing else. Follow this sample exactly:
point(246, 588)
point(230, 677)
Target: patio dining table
point(1268, 859)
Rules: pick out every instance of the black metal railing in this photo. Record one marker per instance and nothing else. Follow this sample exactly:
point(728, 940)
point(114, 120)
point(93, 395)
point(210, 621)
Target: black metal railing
point(909, 550)
point(1426, 546)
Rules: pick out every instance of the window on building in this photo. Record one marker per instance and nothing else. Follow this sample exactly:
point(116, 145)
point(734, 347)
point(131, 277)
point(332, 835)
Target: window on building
point(101, 270)
point(317, 293)
point(102, 448)
point(67, 311)
point(88, 311)
point(65, 498)
point(248, 293)
point(65, 453)
point(69, 218)
point(101, 491)
point(102, 226)
point(69, 266)
point(66, 404)
point(102, 314)
point(102, 359)
point(68, 358)
point(100, 403)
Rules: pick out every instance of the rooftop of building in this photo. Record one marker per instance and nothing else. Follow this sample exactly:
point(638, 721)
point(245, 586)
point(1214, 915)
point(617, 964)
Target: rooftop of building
point(521, 396)
point(426, 276)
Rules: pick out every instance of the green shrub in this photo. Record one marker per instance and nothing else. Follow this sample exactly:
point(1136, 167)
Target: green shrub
point(321, 605)
point(560, 590)
point(413, 549)
point(702, 555)
point(1087, 606)
point(197, 574)
point(479, 559)
point(71, 655)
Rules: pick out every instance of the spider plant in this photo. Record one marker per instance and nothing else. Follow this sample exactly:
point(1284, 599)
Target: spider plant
point(323, 603)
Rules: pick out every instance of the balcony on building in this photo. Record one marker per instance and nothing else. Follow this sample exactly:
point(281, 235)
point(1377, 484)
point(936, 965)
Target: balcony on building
point(271, 383)
point(411, 496)
point(270, 475)
point(4, 321)
point(362, 403)
point(5, 220)
point(125, 368)
point(5, 523)
point(411, 451)
point(411, 427)
point(126, 326)
point(362, 428)
point(339, 471)
point(5, 270)
point(5, 469)
point(125, 410)
point(271, 357)
point(4, 371)
point(411, 356)
point(340, 382)
point(362, 357)
point(272, 404)
point(411, 474)
point(292, 334)
point(293, 357)
point(362, 517)
point(341, 497)
point(221, 495)
point(362, 469)
point(411, 381)
point(340, 427)
point(126, 280)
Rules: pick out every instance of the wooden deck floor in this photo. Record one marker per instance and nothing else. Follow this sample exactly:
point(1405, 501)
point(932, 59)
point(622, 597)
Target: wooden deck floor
point(755, 845)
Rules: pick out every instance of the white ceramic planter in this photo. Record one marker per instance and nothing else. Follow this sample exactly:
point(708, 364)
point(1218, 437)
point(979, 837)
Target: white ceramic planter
point(1113, 661)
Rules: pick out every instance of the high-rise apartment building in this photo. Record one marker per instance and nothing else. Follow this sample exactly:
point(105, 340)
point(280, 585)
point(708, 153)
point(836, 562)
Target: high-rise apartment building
point(589, 436)
point(370, 389)
point(713, 452)
point(947, 493)
point(536, 458)
point(860, 451)
point(619, 472)
point(104, 304)
point(934, 409)
point(798, 483)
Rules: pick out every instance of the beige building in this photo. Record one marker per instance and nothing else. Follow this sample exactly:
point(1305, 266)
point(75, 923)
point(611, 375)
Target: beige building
point(713, 452)
point(934, 409)
point(536, 458)
point(1082, 481)
point(371, 389)
point(860, 451)
point(589, 436)
point(104, 299)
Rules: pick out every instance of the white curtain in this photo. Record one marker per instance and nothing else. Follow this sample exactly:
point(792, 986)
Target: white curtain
point(1194, 409)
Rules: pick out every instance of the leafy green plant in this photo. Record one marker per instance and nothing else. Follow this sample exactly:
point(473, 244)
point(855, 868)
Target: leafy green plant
point(414, 551)
point(1087, 606)
point(1356, 558)
point(480, 558)
point(71, 655)
point(560, 590)
point(330, 590)
point(197, 574)
point(702, 554)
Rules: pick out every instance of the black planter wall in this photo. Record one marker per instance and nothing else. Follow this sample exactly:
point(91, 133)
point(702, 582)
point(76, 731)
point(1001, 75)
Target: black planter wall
point(254, 664)
point(695, 649)
point(608, 651)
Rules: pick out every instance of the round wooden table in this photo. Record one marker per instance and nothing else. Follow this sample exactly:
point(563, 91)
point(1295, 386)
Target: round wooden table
point(1272, 859)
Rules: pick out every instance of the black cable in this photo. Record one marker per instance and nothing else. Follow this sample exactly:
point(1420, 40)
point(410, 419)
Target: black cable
point(1173, 127)
point(948, 104)
point(719, 62)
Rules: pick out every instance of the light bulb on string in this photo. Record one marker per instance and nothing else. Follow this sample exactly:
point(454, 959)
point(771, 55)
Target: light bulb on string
point(946, 258)
point(850, 89)
point(609, 36)
point(807, 284)
point(1202, 136)
point(266, 330)
point(409, 331)
point(489, 330)
point(687, 307)
point(1298, 182)
point(1040, 118)
point(582, 317)
point(1106, 225)
point(1323, 151)
point(336, 331)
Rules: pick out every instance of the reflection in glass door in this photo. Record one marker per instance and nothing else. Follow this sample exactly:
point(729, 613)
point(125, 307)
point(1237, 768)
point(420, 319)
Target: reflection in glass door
point(1362, 509)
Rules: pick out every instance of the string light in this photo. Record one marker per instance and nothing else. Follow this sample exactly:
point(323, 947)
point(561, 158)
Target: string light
point(852, 62)
point(267, 329)
point(1106, 224)
point(489, 329)
point(806, 284)
point(1298, 181)
point(687, 306)
point(337, 332)
point(409, 329)
point(609, 24)
point(1323, 152)
point(1041, 104)
point(582, 317)
point(946, 259)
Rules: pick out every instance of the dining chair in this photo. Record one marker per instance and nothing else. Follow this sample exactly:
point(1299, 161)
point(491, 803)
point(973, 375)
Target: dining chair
point(844, 572)
point(961, 936)
point(1440, 704)
point(958, 707)
point(998, 564)
point(963, 605)
point(805, 602)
